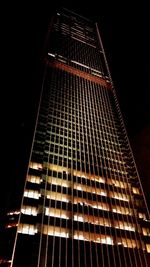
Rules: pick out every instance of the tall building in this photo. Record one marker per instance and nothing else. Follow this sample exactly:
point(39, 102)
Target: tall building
point(83, 203)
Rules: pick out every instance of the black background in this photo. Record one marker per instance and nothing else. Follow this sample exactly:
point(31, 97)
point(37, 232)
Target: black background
point(125, 33)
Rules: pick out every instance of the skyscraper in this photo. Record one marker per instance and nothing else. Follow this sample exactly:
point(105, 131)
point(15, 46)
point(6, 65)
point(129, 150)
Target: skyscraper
point(83, 203)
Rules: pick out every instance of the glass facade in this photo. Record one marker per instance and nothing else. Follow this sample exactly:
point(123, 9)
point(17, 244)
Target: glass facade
point(83, 203)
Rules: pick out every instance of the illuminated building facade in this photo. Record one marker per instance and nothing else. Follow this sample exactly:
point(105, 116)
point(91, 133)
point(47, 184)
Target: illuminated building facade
point(83, 203)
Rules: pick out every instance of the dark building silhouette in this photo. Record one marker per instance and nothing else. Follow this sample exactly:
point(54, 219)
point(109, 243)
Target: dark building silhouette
point(83, 203)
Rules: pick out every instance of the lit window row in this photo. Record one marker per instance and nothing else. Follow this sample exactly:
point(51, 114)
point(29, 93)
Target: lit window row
point(88, 189)
point(92, 177)
point(63, 214)
point(96, 178)
point(86, 202)
point(86, 236)
point(79, 235)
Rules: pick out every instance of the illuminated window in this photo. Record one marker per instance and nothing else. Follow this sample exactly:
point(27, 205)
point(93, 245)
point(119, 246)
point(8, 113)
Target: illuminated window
point(117, 183)
point(126, 242)
point(55, 231)
point(31, 193)
point(148, 248)
point(33, 179)
point(108, 240)
point(142, 216)
point(50, 54)
point(135, 190)
point(35, 165)
point(56, 196)
point(78, 218)
point(146, 231)
point(57, 181)
point(124, 225)
point(57, 213)
point(29, 210)
point(119, 196)
point(27, 229)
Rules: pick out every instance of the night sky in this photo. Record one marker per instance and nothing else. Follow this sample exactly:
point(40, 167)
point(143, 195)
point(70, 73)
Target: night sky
point(125, 33)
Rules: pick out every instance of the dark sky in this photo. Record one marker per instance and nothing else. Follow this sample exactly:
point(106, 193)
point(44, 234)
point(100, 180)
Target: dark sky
point(125, 33)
